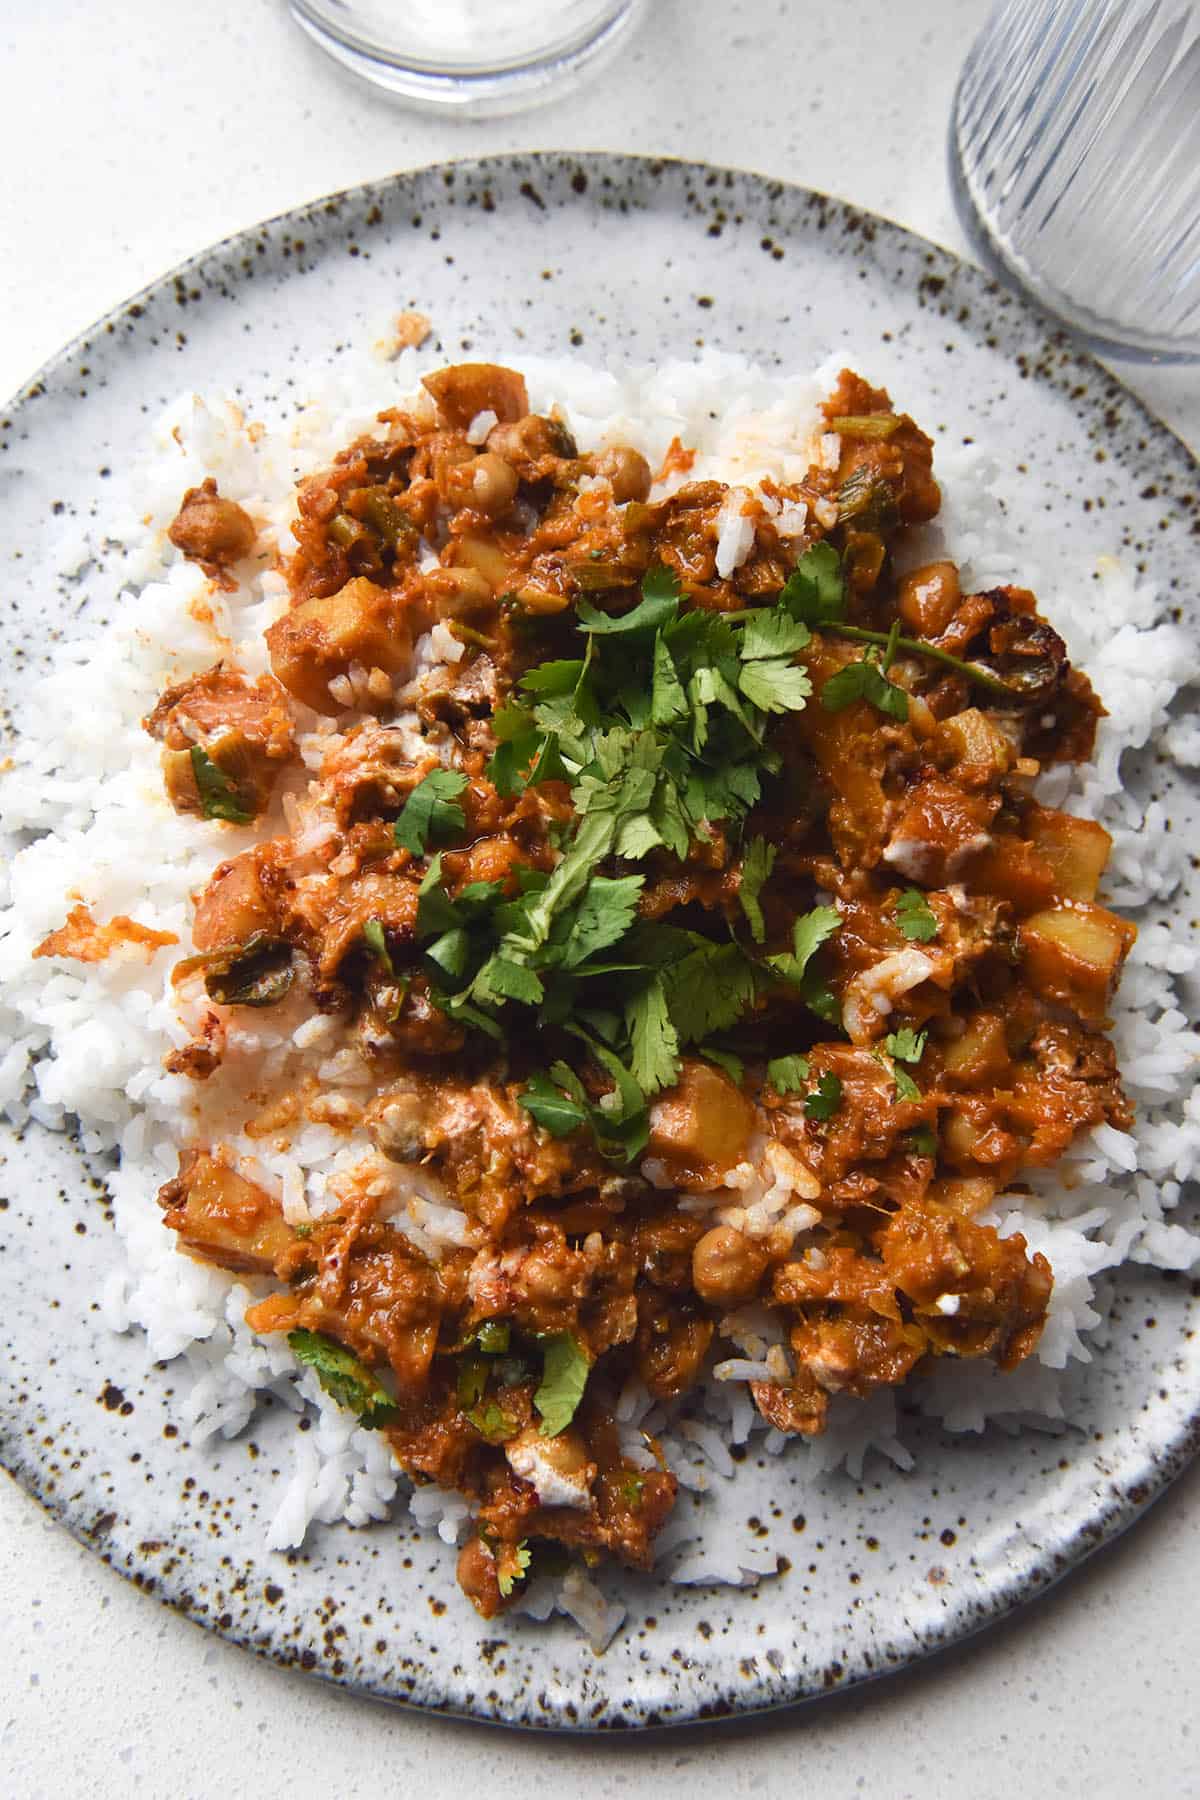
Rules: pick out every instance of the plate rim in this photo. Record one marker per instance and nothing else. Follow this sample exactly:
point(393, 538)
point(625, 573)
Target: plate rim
point(1155, 1469)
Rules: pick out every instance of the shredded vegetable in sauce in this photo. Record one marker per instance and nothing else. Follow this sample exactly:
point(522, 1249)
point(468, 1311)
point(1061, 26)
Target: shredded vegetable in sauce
point(682, 875)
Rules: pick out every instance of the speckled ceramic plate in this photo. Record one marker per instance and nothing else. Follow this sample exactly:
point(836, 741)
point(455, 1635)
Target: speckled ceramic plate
point(623, 259)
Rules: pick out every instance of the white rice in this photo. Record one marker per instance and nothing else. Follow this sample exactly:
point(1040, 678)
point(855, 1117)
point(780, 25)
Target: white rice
point(85, 808)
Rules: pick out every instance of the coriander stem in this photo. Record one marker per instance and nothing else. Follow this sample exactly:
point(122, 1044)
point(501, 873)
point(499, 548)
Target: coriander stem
point(919, 647)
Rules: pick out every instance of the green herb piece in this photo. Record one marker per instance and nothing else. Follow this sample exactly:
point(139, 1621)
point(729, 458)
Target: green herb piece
point(775, 687)
point(974, 672)
point(376, 942)
point(727, 1061)
point(503, 978)
point(343, 1376)
point(655, 1062)
point(492, 1422)
point(658, 606)
point(906, 1087)
point(565, 1369)
point(809, 932)
point(494, 1336)
point(451, 952)
point(602, 916)
point(906, 1045)
point(815, 591)
point(668, 699)
point(513, 1570)
point(430, 812)
point(915, 917)
point(256, 973)
point(757, 864)
point(708, 990)
point(865, 681)
point(820, 999)
point(770, 631)
point(923, 1141)
point(471, 1379)
point(631, 1486)
point(219, 799)
point(556, 1112)
point(787, 1074)
point(824, 1099)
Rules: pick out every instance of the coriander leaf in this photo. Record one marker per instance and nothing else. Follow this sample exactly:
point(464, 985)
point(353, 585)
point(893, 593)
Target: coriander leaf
point(493, 1423)
point(725, 1060)
point(219, 799)
point(501, 978)
point(592, 842)
point(824, 1099)
point(376, 942)
point(451, 952)
point(430, 812)
point(553, 678)
point(815, 592)
point(886, 697)
point(565, 1369)
point(808, 934)
point(655, 1061)
point(771, 631)
point(515, 1568)
point(457, 1006)
point(787, 1074)
point(566, 1078)
point(668, 701)
point(820, 998)
point(631, 1486)
point(757, 864)
point(923, 1141)
point(812, 929)
point(655, 610)
point(511, 720)
point(660, 583)
point(906, 1045)
point(343, 1376)
point(603, 913)
point(637, 837)
point(436, 912)
point(555, 1112)
point(915, 917)
point(906, 1087)
point(864, 681)
point(708, 990)
point(775, 687)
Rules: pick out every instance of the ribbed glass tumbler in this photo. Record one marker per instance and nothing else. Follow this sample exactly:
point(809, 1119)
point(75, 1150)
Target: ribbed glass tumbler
point(1075, 153)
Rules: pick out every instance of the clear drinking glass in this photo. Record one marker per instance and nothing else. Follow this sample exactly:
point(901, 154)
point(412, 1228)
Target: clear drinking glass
point(477, 58)
point(1075, 154)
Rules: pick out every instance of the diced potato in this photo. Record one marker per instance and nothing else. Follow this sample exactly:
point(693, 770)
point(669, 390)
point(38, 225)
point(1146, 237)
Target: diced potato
point(1076, 850)
point(980, 1055)
point(487, 559)
point(971, 740)
point(703, 1123)
point(1073, 953)
point(320, 639)
point(233, 907)
point(222, 1218)
point(1012, 869)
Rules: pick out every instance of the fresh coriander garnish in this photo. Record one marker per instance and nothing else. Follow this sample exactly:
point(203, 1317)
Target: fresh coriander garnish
point(343, 1376)
point(376, 942)
point(915, 917)
point(430, 813)
point(787, 1074)
point(865, 680)
point(906, 1045)
point(757, 864)
point(809, 932)
point(923, 1141)
point(824, 1099)
point(565, 1369)
point(513, 1569)
point(906, 1087)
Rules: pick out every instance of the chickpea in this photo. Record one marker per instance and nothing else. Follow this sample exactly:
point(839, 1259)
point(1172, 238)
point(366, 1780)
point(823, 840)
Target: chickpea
point(459, 592)
point(530, 440)
point(727, 1267)
point(928, 598)
point(487, 485)
point(627, 470)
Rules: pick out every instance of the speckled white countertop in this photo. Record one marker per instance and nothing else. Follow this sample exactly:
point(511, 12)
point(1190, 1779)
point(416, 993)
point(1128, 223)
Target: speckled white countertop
point(132, 136)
